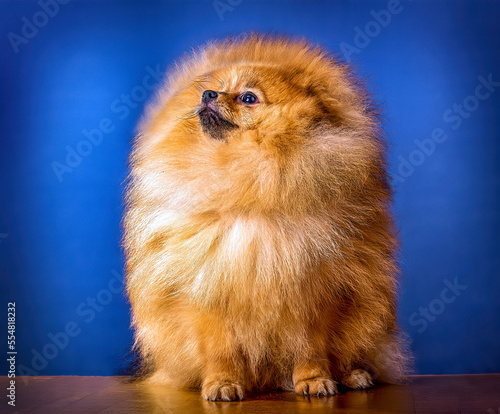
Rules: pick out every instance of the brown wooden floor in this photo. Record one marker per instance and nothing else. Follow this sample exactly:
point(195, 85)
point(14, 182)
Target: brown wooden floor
point(425, 394)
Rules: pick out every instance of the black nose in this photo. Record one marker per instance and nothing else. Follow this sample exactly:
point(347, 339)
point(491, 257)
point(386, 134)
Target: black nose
point(209, 96)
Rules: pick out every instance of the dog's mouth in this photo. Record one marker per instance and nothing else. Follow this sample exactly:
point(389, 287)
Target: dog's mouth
point(213, 123)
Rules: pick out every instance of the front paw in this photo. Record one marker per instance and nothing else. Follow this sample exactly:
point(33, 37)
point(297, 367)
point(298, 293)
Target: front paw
point(316, 386)
point(222, 391)
point(358, 379)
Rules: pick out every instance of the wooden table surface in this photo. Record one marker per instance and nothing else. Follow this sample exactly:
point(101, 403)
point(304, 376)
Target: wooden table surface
point(424, 394)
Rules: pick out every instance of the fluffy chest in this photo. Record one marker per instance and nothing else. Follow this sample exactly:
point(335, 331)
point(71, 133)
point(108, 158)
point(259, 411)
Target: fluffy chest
point(247, 257)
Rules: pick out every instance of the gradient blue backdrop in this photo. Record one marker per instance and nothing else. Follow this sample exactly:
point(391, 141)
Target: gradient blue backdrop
point(60, 236)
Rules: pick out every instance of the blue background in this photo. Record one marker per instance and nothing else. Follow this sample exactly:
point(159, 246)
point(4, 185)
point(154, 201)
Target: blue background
point(60, 238)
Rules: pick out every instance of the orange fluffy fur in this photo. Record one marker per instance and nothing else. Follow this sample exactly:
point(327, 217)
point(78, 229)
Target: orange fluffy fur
point(262, 256)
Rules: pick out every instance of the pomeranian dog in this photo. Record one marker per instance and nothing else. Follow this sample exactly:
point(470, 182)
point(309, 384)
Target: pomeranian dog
point(258, 234)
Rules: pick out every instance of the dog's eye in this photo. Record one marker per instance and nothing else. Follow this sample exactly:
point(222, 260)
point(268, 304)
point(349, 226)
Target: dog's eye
point(248, 98)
